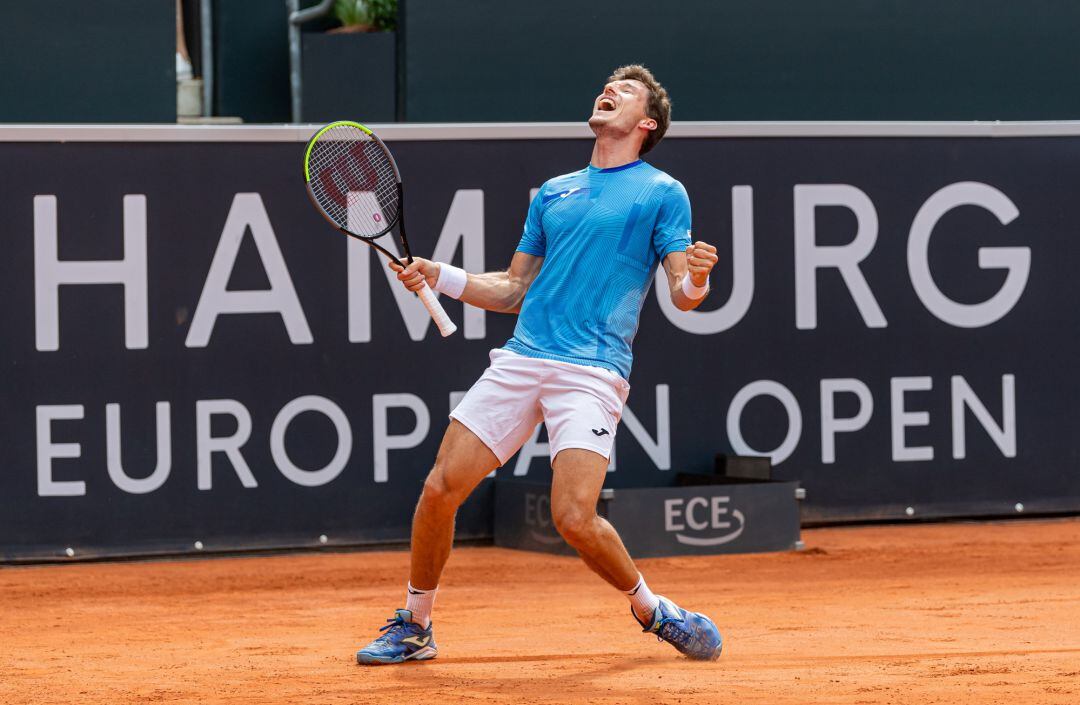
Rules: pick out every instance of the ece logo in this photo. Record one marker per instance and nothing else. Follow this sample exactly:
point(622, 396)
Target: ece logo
point(538, 519)
point(704, 516)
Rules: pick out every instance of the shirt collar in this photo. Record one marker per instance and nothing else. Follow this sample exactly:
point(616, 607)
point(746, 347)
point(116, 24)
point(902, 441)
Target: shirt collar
point(611, 170)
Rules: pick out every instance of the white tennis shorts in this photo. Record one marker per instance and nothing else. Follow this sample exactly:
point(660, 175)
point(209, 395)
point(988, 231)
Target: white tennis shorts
point(581, 405)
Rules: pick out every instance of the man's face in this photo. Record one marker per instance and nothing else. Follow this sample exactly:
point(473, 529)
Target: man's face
point(620, 108)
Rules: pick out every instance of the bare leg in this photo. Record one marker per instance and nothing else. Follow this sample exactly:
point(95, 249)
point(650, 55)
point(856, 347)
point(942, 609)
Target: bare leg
point(577, 476)
point(181, 44)
point(463, 461)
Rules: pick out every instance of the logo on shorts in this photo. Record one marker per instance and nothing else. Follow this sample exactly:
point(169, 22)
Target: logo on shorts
point(703, 521)
point(600, 432)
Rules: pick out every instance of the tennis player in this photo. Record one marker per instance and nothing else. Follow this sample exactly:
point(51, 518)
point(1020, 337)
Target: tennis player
point(578, 280)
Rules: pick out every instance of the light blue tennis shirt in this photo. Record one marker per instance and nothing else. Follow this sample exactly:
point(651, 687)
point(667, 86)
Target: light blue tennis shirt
point(601, 233)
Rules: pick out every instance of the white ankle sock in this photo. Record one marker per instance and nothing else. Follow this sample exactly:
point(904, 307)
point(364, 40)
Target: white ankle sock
point(643, 601)
point(420, 602)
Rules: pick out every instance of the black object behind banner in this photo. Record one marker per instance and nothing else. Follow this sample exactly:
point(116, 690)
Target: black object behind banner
point(744, 59)
point(102, 61)
point(944, 419)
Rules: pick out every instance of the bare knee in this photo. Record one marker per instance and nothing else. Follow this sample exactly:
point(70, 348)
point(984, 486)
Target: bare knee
point(439, 493)
point(575, 524)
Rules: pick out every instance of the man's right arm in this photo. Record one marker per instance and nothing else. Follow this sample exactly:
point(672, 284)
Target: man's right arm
point(502, 292)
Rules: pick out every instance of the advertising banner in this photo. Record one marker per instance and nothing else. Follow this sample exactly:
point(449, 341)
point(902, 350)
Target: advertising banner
point(192, 354)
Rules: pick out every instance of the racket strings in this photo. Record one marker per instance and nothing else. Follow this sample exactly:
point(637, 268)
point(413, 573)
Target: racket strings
point(351, 175)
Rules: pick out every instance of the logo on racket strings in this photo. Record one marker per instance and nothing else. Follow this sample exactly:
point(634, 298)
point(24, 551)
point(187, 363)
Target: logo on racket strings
point(352, 171)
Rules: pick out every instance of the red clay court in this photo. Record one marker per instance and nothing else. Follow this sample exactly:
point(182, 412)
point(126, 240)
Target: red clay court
point(935, 613)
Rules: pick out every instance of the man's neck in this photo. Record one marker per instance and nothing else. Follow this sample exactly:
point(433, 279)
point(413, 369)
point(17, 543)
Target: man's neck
point(608, 153)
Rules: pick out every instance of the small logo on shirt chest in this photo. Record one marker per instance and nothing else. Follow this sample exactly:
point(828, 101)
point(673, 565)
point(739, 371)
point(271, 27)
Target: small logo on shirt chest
point(565, 194)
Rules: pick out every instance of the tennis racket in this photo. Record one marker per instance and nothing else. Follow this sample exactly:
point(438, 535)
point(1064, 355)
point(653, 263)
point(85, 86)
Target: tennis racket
point(354, 182)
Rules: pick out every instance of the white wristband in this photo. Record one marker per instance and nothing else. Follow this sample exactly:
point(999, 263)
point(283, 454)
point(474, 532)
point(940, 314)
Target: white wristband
point(692, 291)
point(451, 280)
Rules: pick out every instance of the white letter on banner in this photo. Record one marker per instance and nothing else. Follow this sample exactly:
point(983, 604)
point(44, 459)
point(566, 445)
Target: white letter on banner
point(742, 267)
point(659, 451)
point(1004, 436)
point(901, 418)
point(465, 224)
point(47, 450)
point(672, 510)
point(247, 211)
point(383, 442)
point(206, 444)
point(830, 425)
point(690, 513)
point(791, 406)
point(1016, 260)
point(809, 256)
point(113, 461)
point(310, 478)
point(50, 273)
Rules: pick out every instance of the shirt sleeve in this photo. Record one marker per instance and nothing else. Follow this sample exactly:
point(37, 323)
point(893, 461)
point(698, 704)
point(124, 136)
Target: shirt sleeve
point(533, 240)
point(672, 231)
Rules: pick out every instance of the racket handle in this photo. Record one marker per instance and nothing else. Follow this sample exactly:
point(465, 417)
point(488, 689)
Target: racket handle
point(446, 326)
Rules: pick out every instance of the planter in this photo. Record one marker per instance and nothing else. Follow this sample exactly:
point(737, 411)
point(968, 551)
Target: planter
point(349, 76)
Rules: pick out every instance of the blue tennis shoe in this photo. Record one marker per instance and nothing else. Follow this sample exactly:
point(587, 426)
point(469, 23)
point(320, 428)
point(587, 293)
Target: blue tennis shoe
point(693, 634)
point(402, 640)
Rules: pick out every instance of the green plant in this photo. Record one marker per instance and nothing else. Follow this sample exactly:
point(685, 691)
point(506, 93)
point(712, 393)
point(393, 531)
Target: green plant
point(381, 15)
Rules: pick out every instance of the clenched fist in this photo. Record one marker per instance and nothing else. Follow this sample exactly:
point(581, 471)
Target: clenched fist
point(700, 259)
point(413, 275)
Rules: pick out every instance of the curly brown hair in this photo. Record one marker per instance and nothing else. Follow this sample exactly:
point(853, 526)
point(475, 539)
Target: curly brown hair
point(659, 105)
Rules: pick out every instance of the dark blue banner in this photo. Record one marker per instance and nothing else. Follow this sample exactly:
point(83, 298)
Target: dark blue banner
point(192, 354)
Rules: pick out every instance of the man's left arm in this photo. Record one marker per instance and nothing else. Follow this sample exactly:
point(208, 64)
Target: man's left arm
point(687, 265)
point(688, 274)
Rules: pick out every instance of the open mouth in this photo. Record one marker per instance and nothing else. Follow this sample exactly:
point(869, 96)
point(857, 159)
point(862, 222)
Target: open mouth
point(606, 104)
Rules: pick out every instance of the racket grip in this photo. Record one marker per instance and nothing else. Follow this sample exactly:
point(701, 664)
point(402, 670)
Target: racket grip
point(446, 326)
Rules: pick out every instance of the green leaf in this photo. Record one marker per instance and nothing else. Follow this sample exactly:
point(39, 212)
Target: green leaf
point(380, 14)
